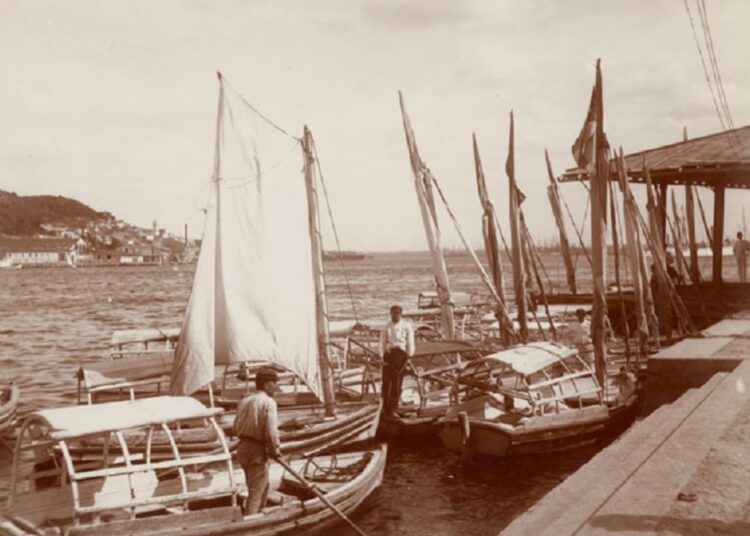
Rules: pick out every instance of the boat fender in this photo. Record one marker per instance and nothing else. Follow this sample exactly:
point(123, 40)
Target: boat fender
point(463, 422)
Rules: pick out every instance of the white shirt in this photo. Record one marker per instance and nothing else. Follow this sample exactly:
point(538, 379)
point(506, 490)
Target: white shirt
point(399, 335)
point(579, 332)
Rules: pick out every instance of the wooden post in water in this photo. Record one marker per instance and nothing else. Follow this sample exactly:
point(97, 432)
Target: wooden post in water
point(519, 276)
point(423, 186)
point(321, 305)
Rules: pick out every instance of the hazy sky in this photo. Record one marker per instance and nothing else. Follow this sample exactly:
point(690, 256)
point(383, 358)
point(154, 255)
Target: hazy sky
point(113, 102)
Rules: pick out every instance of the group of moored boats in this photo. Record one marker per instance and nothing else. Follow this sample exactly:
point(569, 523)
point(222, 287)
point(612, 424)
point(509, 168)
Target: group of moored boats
point(149, 449)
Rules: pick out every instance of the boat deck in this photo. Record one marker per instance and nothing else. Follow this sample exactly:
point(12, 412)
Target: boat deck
point(683, 469)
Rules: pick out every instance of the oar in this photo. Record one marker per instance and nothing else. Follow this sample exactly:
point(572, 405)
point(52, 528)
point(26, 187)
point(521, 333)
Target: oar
point(285, 464)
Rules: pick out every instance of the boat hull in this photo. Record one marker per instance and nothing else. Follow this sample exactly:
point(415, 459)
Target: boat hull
point(488, 438)
point(300, 515)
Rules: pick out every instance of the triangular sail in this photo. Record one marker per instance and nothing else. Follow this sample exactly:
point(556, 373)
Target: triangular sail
point(253, 295)
point(423, 186)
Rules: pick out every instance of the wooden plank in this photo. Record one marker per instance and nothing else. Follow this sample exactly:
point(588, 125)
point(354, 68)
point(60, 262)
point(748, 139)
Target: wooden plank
point(158, 524)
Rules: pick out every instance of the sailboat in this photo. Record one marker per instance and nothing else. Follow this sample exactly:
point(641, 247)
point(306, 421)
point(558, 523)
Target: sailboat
point(258, 295)
point(182, 493)
point(542, 397)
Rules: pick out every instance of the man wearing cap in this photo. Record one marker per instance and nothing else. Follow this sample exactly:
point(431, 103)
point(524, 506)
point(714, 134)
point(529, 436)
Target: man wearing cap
point(396, 347)
point(256, 425)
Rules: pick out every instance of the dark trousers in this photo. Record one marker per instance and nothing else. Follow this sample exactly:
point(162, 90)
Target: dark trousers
point(393, 368)
point(252, 457)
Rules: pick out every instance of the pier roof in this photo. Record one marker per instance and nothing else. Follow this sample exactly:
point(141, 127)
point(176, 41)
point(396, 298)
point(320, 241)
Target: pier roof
point(720, 159)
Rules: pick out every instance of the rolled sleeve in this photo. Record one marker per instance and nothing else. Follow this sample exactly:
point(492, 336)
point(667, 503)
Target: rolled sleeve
point(272, 431)
point(410, 341)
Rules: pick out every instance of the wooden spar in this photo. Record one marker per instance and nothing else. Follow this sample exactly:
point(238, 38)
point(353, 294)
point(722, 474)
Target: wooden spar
point(618, 282)
point(529, 250)
point(598, 194)
point(506, 324)
point(423, 186)
point(635, 257)
point(286, 465)
point(665, 285)
point(321, 305)
point(676, 229)
point(681, 262)
point(519, 277)
point(492, 247)
point(695, 274)
point(553, 193)
point(718, 241)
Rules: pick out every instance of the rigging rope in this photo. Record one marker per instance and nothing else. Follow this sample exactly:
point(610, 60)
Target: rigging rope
point(335, 233)
point(254, 109)
point(718, 109)
point(714, 63)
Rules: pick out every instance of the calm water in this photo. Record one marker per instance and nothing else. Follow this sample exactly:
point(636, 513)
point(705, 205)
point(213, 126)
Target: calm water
point(52, 320)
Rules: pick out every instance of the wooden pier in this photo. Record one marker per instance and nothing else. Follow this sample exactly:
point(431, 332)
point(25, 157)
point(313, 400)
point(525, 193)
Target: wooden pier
point(683, 469)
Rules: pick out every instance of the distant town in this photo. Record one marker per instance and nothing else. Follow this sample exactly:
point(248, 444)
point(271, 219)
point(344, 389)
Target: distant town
point(39, 231)
point(109, 242)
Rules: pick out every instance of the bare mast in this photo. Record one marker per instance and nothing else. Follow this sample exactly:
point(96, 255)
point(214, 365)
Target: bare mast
point(423, 185)
point(321, 306)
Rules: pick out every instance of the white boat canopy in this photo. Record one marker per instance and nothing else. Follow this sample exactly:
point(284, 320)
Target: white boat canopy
point(533, 357)
point(80, 421)
point(131, 336)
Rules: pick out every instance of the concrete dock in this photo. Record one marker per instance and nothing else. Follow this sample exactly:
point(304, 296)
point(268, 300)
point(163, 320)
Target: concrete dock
point(684, 469)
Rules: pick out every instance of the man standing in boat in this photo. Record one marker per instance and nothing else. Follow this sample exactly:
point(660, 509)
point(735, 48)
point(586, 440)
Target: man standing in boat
point(256, 425)
point(396, 347)
point(741, 247)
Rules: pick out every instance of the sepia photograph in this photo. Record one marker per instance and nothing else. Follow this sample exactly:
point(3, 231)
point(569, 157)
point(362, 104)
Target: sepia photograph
point(374, 267)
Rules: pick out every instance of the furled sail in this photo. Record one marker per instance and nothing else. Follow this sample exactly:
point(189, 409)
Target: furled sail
point(253, 296)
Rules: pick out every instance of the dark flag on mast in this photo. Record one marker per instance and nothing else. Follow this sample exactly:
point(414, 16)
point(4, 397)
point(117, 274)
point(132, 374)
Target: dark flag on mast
point(591, 153)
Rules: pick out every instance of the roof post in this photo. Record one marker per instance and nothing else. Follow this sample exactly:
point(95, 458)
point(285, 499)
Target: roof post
point(718, 232)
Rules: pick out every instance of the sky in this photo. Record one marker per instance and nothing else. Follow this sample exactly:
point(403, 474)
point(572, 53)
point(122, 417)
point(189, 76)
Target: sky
point(113, 102)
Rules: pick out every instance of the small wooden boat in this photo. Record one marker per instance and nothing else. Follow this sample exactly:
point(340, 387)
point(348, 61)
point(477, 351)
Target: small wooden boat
point(53, 492)
point(429, 378)
point(533, 399)
point(9, 395)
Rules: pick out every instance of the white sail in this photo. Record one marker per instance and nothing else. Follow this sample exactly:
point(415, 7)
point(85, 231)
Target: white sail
point(253, 296)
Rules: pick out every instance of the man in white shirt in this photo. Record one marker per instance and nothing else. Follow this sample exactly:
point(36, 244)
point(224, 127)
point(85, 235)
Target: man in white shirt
point(396, 347)
point(741, 247)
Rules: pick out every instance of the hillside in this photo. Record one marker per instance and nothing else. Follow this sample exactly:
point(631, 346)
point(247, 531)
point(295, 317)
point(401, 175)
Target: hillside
point(25, 215)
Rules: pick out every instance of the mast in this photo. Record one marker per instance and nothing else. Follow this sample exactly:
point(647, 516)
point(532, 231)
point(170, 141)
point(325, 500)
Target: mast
point(618, 282)
point(321, 306)
point(635, 258)
point(599, 233)
point(553, 193)
point(519, 277)
point(218, 344)
point(423, 185)
point(492, 247)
